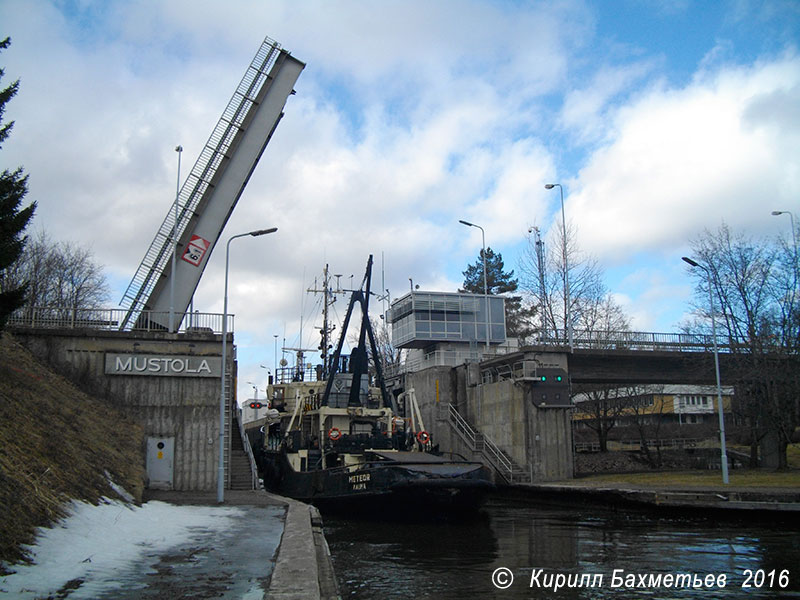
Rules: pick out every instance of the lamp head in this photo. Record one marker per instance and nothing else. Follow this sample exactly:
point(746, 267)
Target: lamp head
point(263, 231)
point(775, 213)
point(688, 260)
point(467, 223)
point(549, 186)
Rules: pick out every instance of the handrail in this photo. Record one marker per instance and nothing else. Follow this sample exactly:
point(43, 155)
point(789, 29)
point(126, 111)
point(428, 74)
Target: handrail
point(498, 458)
point(584, 340)
point(248, 449)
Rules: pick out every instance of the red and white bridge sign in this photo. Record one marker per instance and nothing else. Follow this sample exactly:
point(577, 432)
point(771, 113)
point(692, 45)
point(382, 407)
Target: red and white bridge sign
point(195, 250)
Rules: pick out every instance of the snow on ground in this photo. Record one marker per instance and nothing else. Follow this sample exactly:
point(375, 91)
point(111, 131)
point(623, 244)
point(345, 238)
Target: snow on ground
point(96, 543)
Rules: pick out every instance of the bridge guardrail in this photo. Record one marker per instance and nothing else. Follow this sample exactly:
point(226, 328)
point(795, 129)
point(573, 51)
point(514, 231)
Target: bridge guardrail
point(110, 319)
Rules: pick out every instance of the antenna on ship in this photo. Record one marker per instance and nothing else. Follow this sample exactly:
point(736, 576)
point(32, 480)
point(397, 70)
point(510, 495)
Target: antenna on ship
point(329, 297)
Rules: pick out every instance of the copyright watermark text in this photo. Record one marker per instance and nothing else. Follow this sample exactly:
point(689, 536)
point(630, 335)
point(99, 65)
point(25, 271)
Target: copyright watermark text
point(503, 578)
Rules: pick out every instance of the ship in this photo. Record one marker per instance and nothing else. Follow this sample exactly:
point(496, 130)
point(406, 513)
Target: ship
point(337, 438)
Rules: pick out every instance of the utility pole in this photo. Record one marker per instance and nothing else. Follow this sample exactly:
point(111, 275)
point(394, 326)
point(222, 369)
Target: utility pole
point(542, 291)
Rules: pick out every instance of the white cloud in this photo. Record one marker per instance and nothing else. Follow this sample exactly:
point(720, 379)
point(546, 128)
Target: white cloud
point(685, 159)
point(408, 117)
point(585, 109)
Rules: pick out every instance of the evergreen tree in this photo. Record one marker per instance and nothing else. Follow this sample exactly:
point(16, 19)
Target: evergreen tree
point(13, 218)
point(499, 282)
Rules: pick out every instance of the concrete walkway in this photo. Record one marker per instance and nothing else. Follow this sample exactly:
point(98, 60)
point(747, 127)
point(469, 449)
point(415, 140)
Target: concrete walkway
point(735, 501)
point(302, 564)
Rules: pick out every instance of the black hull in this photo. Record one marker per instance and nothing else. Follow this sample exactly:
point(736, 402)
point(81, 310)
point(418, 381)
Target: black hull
point(440, 487)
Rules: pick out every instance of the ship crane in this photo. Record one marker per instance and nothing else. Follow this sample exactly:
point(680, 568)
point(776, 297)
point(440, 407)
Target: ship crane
point(210, 193)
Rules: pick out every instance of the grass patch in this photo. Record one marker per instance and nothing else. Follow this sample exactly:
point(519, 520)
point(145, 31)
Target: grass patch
point(744, 478)
point(56, 444)
point(793, 456)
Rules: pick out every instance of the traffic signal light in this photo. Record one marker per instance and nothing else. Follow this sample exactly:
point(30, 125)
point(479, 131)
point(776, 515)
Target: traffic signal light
point(553, 378)
point(256, 405)
point(550, 388)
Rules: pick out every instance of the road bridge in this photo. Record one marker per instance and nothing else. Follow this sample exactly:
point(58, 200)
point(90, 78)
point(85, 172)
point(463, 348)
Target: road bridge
point(614, 366)
point(647, 367)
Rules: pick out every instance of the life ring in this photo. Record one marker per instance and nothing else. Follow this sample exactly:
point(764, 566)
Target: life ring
point(334, 434)
point(423, 437)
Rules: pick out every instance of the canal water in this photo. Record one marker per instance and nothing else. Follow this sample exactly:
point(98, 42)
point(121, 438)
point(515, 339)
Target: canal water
point(518, 549)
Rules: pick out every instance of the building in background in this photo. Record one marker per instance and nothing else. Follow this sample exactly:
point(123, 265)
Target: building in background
point(447, 329)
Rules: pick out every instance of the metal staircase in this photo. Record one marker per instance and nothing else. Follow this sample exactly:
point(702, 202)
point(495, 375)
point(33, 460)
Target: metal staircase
point(215, 155)
point(489, 452)
point(242, 465)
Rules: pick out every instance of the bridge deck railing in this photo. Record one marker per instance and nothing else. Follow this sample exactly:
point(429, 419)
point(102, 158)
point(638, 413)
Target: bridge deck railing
point(646, 341)
point(110, 319)
point(641, 341)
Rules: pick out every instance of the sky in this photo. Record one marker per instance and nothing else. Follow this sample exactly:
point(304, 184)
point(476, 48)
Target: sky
point(660, 119)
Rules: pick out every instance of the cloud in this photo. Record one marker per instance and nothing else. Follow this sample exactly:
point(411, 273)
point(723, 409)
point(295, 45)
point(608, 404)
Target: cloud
point(584, 113)
point(409, 116)
point(684, 159)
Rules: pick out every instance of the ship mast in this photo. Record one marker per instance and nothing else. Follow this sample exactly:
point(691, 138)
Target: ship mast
point(328, 298)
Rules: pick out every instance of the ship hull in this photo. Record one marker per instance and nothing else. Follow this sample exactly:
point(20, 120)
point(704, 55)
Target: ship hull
point(403, 482)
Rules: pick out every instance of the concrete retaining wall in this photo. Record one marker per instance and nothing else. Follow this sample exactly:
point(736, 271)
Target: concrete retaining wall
point(539, 440)
point(185, 408)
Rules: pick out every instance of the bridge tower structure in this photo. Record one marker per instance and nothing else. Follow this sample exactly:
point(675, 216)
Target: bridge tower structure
point(211, 191)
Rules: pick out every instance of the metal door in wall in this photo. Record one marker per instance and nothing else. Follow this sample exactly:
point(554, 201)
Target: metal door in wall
point(160, 456)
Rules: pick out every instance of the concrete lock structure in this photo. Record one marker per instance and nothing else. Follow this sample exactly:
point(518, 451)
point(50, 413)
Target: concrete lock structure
point(168, 383)
point(508, 407)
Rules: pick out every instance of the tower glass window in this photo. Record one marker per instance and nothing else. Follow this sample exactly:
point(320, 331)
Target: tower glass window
point(420, 319)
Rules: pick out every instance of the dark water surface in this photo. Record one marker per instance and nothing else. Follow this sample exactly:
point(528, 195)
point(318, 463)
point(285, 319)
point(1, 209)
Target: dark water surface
point(499, 554)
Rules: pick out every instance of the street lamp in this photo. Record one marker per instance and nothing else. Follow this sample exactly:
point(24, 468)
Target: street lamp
point(485, 284)
point(723, 453)
point(221, 466)
point(775, 213)
point(179, 150)
point(567, 301)
point(275, 359)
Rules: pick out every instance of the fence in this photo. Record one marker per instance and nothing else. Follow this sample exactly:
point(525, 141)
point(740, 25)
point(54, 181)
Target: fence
point(636, 445)
point(640, 341)
point(111, 320)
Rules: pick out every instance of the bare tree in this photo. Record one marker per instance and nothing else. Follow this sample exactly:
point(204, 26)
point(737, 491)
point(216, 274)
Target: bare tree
point(61, 276)
point(753, 283)
point(600, 410)
point(646, 409)
point(543, 277)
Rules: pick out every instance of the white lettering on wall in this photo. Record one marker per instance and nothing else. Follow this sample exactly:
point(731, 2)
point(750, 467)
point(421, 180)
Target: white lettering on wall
point(171, 366)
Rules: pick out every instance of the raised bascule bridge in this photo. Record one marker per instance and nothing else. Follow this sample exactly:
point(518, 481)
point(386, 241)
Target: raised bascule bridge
point(154, 358)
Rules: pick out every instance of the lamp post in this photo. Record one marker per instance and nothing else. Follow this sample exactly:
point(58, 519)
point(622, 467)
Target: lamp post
point(723, 453)
point(275, 359)
point(567, 300)
point(221, 466)
point(485, 284)
point(775, 213)
point(179, 150)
